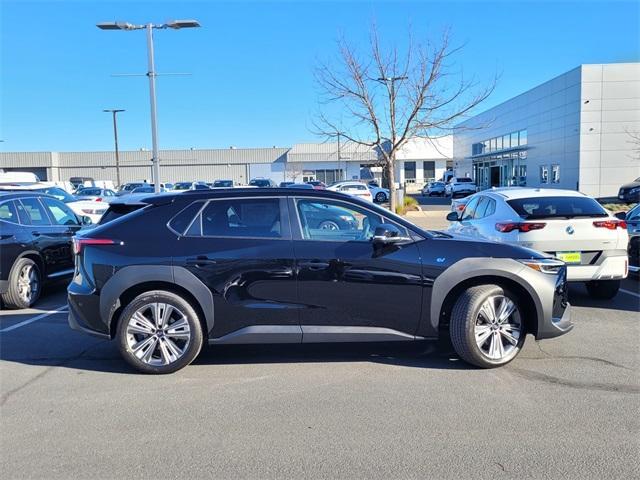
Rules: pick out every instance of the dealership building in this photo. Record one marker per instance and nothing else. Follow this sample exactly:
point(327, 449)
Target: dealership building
point(420, 160)
point(575, 131)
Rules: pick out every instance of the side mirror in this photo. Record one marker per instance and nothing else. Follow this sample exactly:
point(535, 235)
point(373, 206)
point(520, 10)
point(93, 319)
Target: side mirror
point(620, 215)
point(453, 217)
point(84, 220)
point(386, 234)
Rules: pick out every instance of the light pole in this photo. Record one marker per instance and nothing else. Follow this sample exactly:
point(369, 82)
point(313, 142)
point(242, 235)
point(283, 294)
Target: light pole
point(114, 111)
point(151, 73)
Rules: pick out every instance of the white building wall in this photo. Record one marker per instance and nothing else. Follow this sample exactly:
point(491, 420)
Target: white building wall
point(551, 115)
point(610, 115)
point(580, 120)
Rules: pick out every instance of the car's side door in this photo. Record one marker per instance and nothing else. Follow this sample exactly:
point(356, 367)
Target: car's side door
point(345, 280)
point(64, 225)
point(241, 249)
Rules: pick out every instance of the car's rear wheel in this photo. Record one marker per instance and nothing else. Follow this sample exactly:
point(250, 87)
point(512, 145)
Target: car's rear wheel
point(159, 332)
point(381, 197)
point(486, 327)
point(25, 284)
point(603, 289)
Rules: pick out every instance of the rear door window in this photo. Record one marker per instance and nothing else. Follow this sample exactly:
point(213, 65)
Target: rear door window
point(247, 217)
point(34, 212)
point(61, 214)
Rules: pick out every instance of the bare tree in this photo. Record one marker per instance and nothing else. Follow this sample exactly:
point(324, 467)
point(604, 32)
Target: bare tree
point(635, 141)
point(293, 170)
point(384, 98)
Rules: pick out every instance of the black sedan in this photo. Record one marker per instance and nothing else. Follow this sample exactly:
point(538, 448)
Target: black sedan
point(35, 240)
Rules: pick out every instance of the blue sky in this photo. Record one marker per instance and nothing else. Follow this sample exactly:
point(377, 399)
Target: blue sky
point(252, 63)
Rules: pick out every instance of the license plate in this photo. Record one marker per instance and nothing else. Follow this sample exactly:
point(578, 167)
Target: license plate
point(570, 257)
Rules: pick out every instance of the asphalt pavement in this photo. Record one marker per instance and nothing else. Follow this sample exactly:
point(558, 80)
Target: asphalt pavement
point(565, 408)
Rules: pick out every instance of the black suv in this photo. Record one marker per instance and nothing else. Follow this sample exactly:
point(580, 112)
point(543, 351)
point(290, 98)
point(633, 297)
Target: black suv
point(35, 241)
point(259, 266)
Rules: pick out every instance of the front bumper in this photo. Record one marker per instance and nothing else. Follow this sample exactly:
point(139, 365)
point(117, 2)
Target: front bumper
point(557, 325)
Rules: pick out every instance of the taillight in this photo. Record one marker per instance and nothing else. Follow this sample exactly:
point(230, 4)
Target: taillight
point(99, 199)
point(610, 224)
point(521, 227)
point(78, 243)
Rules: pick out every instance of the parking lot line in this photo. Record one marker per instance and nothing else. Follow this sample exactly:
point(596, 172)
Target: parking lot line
point(630, 292)
point(35, 319)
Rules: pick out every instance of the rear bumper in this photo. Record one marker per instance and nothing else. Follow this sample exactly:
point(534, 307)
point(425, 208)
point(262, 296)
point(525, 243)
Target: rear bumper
point(84, 311)
point(611, 267)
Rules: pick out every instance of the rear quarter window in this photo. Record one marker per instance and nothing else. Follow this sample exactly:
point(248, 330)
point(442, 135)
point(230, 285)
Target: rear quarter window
point(180, 222)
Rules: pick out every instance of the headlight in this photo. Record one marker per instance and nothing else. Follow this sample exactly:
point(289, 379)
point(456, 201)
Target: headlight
point(544, 265)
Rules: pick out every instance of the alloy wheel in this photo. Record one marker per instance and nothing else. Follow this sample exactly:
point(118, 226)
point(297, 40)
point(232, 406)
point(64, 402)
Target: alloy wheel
point(380, 197)
point(28, 283)
point(498, 327)
point(158, 334)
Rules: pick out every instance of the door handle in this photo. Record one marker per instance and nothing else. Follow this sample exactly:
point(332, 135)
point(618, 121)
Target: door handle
point(200, 261)
point(35, 234)
point(314, 265)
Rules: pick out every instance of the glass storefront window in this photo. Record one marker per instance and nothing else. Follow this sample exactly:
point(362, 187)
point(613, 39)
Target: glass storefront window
point(555, 173)
point(514, 139)
point(506, 141)
point(522, 134)
point(499, 143)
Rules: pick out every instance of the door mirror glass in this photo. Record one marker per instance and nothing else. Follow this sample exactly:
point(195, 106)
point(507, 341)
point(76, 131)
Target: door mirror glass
point(387, 233)
point(453, 217)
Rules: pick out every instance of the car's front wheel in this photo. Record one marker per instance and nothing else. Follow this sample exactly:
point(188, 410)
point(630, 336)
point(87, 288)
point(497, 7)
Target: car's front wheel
point(486, 327)
point(381, 197)
point(159, 332)
point(603, 289)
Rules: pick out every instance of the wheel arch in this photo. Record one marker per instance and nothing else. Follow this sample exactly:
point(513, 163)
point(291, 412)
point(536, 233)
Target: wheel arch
point(36, 257)
point(130, 282)
point(470, 272)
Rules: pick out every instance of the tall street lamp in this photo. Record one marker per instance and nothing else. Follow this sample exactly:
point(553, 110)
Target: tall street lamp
point(114, 111)
point(151, 73)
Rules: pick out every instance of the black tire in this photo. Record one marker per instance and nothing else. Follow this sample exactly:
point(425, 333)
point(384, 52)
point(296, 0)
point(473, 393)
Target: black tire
point(465, 315)
point(381, 197)
point(603, 289)
point(12, 299)
point(160, 296)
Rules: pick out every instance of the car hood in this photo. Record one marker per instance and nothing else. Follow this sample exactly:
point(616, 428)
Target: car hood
point(631, 185)
point(461, 246)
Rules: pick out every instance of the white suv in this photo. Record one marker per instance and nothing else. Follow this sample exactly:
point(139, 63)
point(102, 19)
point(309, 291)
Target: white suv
point(460, 186)
point(572, 226)
point(357, 189)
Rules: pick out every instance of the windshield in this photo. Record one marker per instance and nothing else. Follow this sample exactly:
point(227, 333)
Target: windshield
point(223, 183)
point(90, 191)
point(464, 180)
point(259, 183)
point(58, 193)
point(557, 207)
point(182, 186)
